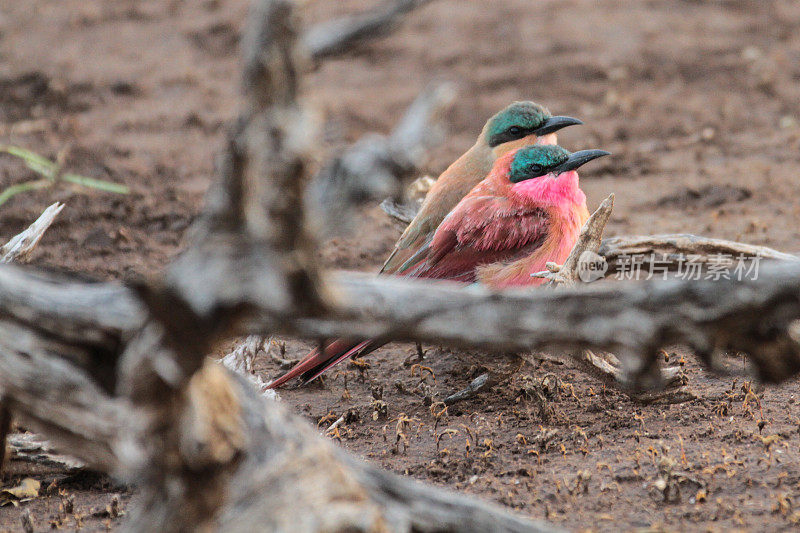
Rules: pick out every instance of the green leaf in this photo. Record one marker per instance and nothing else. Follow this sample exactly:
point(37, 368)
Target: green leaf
point(95, 183)
point(33, 161)
point(23, 187)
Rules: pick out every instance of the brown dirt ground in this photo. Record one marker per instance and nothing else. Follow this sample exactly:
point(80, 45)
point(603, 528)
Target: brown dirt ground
point(697, 101)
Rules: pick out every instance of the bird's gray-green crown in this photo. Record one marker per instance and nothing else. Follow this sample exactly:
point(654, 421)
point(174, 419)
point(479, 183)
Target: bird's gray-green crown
point(521, 119)
point(539, 160)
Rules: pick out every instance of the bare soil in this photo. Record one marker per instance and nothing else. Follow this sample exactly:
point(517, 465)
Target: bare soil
point(698, 101)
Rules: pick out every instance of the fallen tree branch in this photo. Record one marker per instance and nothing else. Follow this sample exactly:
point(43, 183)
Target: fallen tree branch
point(755, 317)
point(671, 249)
point(339, 35)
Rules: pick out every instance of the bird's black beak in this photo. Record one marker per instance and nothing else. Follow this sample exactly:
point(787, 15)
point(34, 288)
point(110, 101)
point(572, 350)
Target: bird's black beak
point(556, 123)
point(578, 159)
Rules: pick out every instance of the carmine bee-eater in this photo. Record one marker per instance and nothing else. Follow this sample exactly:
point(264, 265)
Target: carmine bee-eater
point(529, 210)
point(519, 124)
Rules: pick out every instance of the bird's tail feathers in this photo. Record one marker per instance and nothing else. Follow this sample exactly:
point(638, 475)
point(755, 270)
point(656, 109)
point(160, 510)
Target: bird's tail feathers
point(316, 362)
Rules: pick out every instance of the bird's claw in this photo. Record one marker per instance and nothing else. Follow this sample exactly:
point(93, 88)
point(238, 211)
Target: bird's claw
point(552, 274)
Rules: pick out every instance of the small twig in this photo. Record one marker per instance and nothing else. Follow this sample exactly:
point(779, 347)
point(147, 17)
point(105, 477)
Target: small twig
point(475, 386)
point(339, 422)
point(588, 241)
point(282, 361)
point(415, 194)
point(20, 246)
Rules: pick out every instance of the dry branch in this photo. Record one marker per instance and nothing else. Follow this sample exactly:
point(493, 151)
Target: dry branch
point(756, 316)
point(20, 246)
point(670, 249)
point(339, 35)
point(632, 320)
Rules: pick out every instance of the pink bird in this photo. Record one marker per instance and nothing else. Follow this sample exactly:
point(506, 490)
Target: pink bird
point(529, 210)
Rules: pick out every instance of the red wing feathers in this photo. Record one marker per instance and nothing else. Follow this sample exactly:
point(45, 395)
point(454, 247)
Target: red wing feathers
point(481, 230)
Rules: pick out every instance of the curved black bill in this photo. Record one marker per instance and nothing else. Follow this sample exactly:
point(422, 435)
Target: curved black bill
point(578, 159)
point(556, 123)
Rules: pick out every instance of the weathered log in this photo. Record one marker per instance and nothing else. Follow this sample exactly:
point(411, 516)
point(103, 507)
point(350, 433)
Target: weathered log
point(755, 316)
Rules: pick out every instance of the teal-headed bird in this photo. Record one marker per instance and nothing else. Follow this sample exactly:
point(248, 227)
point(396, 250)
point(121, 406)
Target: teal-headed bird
point(519, 124)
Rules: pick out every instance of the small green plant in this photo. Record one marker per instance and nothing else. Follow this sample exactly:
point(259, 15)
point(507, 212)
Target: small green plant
point(51, 173)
